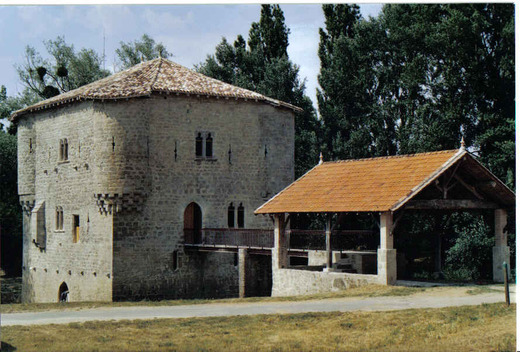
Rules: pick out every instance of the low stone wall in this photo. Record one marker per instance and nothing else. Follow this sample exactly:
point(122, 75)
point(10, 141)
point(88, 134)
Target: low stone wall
point(292, 282)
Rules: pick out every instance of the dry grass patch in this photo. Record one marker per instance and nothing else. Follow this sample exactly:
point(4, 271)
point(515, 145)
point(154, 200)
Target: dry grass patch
point(364, 291)
point(471, 328)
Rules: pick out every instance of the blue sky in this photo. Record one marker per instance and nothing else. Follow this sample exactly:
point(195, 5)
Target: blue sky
point(190, 32)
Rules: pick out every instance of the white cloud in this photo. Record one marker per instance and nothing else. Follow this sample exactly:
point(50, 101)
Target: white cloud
point(160, 21)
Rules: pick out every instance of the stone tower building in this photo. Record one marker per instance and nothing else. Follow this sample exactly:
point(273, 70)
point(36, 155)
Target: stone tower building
point(113, 176)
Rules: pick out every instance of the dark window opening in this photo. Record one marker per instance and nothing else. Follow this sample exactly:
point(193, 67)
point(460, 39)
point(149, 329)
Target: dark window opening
point(113, 144)
point(198, 145)
point(175, 260)
point(65, 149)
point(240, 216)
point(231, 215)
point(235, 259)
point(30, 145)
point(63, 293)
point(209, 146)
point(75, 228)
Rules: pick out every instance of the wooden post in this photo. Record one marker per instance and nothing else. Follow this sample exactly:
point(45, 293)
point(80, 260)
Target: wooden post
point(386, 255)
point(328, 247)
point(501, 249)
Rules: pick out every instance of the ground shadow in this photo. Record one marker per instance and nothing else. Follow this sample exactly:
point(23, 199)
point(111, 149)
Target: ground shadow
point(7, 347)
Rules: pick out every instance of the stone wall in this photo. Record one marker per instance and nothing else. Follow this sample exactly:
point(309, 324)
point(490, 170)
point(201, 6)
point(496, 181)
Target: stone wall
point(252, 160)
point(86, 266)
point(130, 175)
point(293, 282)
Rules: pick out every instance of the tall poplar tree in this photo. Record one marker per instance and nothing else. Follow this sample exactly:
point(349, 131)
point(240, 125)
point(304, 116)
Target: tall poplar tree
point(262, 65)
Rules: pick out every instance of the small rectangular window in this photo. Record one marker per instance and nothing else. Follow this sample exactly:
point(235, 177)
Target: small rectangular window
point(175, 260)
point(59, 218)
point(75, 228)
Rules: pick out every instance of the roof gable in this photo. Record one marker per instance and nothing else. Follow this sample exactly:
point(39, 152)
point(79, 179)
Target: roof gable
point(367, 185)
point(154, 76)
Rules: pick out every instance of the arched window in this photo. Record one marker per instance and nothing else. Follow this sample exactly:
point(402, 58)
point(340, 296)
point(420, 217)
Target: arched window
point(231, 215)
point(59, 218)
point(209, 146)
point(240, 216)
point(198, 145)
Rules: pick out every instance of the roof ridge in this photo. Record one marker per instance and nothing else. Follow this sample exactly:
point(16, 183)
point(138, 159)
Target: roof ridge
point(390, 156)
point(156, 75)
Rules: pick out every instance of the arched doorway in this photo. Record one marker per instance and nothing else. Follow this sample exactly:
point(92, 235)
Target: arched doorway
point(63, 293)
point(192, 223)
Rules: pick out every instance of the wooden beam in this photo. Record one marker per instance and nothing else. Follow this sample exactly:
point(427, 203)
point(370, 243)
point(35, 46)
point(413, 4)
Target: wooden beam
point(469, 187)
point(453, 204)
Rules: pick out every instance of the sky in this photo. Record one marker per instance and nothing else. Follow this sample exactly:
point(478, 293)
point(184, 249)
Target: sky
point(189, 32)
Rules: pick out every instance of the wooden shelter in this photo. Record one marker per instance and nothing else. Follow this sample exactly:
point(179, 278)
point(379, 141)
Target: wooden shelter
point(444, 180)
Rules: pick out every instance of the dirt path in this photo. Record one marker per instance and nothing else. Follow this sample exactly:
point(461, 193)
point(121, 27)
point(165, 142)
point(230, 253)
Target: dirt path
point(432, 298)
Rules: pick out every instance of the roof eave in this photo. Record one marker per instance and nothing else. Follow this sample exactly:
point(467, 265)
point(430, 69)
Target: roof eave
point(456, 157)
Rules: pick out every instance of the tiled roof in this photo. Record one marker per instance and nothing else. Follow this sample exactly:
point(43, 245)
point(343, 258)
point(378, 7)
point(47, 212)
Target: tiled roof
point(154, 76)
point(364, 185)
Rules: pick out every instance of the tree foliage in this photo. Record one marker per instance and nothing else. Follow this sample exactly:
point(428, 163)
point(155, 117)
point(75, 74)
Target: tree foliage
point(418, 78)
point(262, 65)
point(10, 214)
point(143, 49)
point(64, 71)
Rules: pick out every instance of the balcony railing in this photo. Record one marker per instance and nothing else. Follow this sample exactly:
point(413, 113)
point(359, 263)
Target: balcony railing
point(250, 238)
point(259, 238)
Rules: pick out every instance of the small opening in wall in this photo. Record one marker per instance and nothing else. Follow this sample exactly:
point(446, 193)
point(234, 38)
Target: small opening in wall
point(229, 154)
point(175, 151)
point(63, 293)
point(175, 260)
point(265, 151)
point(30, 145)
point(209, 146)
point(240, 216)
point(235, 259)
point(198, 145)
point(75, 228)
point(113, 144)
point(231, 215)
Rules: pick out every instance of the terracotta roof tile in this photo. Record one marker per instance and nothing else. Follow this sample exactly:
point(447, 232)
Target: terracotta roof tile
point(374, 184)
point(154, 76)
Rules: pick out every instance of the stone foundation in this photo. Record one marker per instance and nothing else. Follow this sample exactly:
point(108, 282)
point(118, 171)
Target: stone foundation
point(292, 282)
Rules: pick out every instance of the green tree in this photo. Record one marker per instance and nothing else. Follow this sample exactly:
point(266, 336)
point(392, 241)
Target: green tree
point(10, 104)
point(416, 79)
point(10, 213)
point(262, 65)
point(64, 71)
point(145, 48)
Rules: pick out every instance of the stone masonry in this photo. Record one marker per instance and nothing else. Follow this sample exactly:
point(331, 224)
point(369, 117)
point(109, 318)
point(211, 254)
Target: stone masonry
point(130, 174)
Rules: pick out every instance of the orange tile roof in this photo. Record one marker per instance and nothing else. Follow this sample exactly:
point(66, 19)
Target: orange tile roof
point(364, 185)
point(154, 76)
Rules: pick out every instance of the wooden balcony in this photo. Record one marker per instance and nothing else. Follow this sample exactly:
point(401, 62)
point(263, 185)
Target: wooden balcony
point(260, 239)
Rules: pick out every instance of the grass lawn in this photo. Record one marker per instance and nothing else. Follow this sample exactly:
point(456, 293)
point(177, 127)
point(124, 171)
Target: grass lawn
point(489, 327)
point(364, 291)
